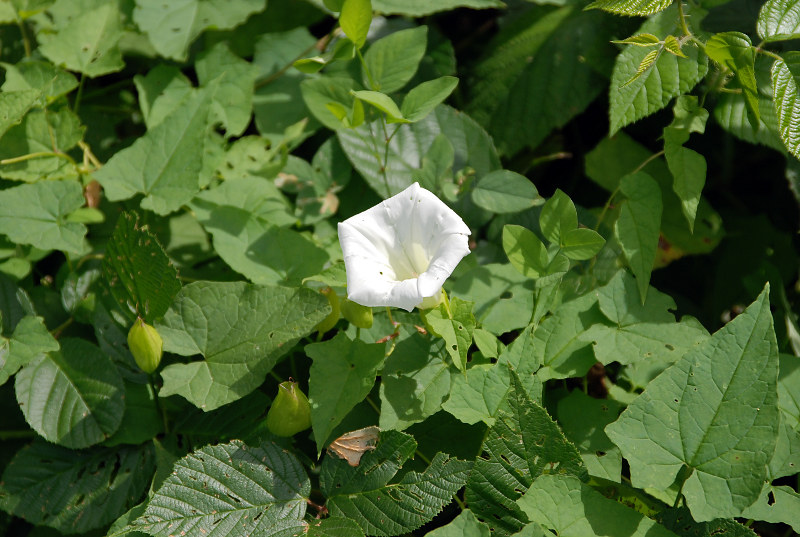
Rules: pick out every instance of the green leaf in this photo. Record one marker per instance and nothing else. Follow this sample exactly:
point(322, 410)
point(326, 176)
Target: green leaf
point(539, 73)
point(581, 244)
point(240, 329)
point(172, 26)
point(464, 525)
point(525, 251)
point(36, 214)
point(48, 133)
point(785, 76)
point(142, 419)
point(414, 382)
point(419, 8)
point(232, 99)
point(455, 325)
point(668, 77)
point(382, 102)
point(260, 199)
point(777, 504)
point(30, 341)
point(88, 42)
point(263, 252)
point(735, 51)
point(523, 444)
point(45, 77)
point(631, 7)
point(558, 216)
point(503, 297)
point(393, 60)
point(570, 508)
point(477, 395)
point(583, 419)
point(75, 491)
point(319, 93)
point(165, 163)
point(160, 91)
point(778, 20)
point(637, 228)
point(673, 46)
point(364, 494)
point(640, 40)
point(504, 191)
point(342, 374)
point(680, 521)
point(647, 62)
point(422, 99)
point(73, 396)
point(714, 413)
point(334, 527)
point(639, 331)
point(229, 489)
point(688, 167)
point(138, 272)
point(355, 19)
point(14, 106)
point(473, 148)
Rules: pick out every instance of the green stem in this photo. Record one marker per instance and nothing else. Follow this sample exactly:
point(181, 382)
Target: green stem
point(63, 326)
point(373, 405)
point(682, 17)
point(38, 154)
point(159, 406)
point(769, 53)
point(77, 104)
point(372, 83)
point(26, 41)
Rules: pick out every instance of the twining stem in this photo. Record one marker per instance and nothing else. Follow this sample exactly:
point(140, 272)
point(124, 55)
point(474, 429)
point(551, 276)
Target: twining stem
point(77, 104)
point(63, 326)
point(38, 154)
point(26, 42)
point(163, 411)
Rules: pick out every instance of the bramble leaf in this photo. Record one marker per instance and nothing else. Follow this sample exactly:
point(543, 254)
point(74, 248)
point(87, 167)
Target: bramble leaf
point(779, 20)
point(631, 7)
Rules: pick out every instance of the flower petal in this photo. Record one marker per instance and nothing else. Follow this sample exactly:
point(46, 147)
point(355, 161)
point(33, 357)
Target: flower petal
point(402, 250)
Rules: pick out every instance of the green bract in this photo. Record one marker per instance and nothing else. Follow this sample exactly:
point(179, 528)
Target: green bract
point(290, 412)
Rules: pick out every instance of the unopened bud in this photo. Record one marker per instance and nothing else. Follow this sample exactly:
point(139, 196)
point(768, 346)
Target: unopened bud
point(360, 316)
point(145, 345)
point(290, 412)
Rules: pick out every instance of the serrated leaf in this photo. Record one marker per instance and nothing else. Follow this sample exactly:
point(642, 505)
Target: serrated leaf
point(505, 191)
point(240, 329)
point(334, 527)
point(172, 26)
point(472, 147)
point(88, 42)
point(30, 341)
point(673, 46)
point(640, 40)
point(423, 98)
point(638, 225)
point(571, 509)
point(165, 163)
point(713, 413)
point(14, 105)
point(455, 325)
point(36, 214)
point(231, 490)
point(785, 76)
point(523, 444)
point(138, 272)
point(539, 73)
point(355, 19)
point(392, 60)
point(414, 382)
point(75, 491)
point(631, 7)
point(646, 63)
point(419, 8)
point(342, 374)
point(735, 51)
point(72, 397)
point(668, 77)
point(778, 20)
point(364, 494)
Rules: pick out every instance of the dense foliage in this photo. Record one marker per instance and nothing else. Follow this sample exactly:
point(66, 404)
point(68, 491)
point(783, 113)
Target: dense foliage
point(617, 355)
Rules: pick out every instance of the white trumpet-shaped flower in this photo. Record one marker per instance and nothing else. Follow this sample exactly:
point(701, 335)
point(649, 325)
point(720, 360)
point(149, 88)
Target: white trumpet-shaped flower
point(400, 252)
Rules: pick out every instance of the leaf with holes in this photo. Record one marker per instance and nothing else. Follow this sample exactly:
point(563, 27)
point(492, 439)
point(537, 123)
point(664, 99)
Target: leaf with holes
point(14, 106)
point(240, 329)
point(364, 493)
point(523, 444)
point(713, 413)
point(72, 397)
point(75, 491)
point(138, 272)
point(229, 490)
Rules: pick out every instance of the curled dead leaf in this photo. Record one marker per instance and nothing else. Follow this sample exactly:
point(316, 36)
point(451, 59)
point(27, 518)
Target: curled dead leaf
point(352, 446)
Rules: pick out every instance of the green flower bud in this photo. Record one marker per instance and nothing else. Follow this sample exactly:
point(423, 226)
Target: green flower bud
point(360, 316)
point(145, 345)
point(290, 412)
point(333, 317)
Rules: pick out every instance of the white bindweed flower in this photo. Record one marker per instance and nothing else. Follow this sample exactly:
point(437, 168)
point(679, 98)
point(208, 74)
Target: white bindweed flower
point(400, 252)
